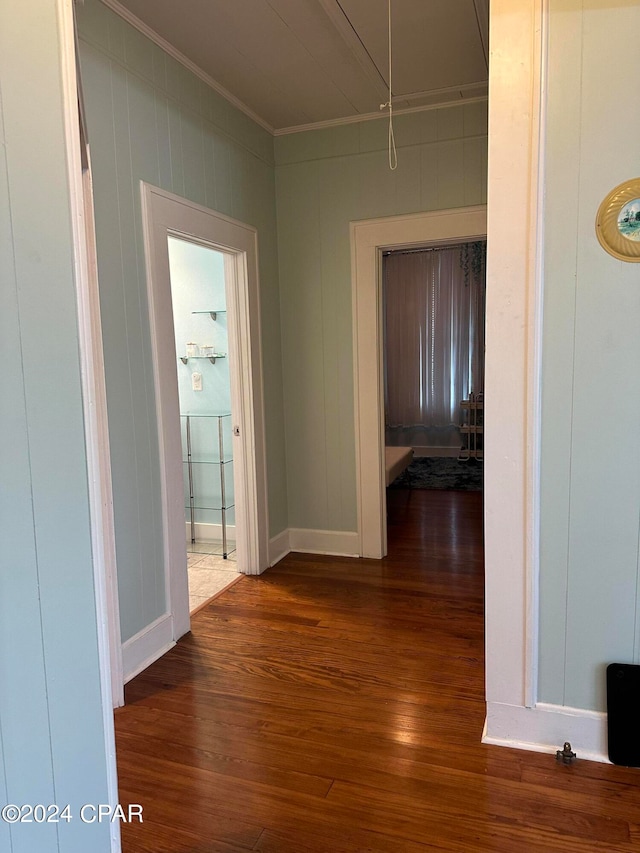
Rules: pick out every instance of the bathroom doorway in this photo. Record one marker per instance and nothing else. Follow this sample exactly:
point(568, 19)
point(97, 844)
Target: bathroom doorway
point(201, 332)
point(208, 381)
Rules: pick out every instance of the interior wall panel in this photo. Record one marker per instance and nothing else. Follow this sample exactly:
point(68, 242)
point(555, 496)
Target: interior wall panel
point(590, 475)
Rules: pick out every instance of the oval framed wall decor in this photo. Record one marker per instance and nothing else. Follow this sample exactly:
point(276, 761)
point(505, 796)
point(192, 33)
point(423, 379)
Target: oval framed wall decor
point(618, 221)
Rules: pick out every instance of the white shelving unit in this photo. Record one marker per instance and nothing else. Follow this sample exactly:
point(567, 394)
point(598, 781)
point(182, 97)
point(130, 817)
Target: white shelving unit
point(207, 458)
point(216, 458)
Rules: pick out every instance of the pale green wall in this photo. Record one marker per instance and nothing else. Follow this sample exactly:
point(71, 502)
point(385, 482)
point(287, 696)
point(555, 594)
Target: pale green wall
point(590, 486)
point(150, 119)
point(325, 179)
point(52, 747)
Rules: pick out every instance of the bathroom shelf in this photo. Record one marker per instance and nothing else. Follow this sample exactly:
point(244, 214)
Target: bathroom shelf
point(212, 358)
point(214, 508)
point(209, 462)
point(212, 314)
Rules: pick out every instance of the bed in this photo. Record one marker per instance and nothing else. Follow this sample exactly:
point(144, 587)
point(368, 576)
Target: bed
point(396, 460)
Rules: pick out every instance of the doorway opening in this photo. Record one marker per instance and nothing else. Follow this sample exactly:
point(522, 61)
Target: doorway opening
point(433, 306)
point(207, 415)
point(206, 344)
point(433, 302)
point(370, 239)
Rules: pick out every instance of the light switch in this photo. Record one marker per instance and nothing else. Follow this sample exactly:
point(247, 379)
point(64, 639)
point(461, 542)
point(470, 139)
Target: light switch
point(196, 381)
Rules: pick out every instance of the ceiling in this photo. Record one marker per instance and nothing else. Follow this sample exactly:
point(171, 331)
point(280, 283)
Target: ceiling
point(299, 62)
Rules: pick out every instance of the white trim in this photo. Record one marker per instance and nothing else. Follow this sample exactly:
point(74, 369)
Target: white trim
point(247, 392)
point(98, 410)
point(545, 728)
point(368, 239)
point(145, 647)
point(279, 547)
point(94, 404)
point(169, 441)
point(151, 34)
point(534, 355)
point(397, 111)
point(165, 213)
point(335, 543)
point(512, 371)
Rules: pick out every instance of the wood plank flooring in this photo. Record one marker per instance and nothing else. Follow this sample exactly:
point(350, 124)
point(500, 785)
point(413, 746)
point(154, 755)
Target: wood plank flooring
point(335, 705)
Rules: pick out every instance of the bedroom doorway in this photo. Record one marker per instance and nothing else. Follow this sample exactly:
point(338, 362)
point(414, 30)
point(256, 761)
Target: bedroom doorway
point(433, 303)
point(369, 240)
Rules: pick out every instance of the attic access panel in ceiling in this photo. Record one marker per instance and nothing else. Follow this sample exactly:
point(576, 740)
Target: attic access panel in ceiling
point(436, 44)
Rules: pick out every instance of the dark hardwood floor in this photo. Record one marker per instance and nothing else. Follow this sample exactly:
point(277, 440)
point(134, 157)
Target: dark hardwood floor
point(336, 705)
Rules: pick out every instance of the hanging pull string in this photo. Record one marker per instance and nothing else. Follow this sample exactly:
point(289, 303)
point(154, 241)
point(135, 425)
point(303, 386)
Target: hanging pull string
point(393, 154)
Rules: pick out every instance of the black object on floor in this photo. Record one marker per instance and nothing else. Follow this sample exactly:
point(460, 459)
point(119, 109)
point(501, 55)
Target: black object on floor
point(623, 713)
point(441, 472)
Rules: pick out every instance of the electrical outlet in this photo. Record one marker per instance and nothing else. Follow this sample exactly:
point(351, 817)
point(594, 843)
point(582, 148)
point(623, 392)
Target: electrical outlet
point(196, 381)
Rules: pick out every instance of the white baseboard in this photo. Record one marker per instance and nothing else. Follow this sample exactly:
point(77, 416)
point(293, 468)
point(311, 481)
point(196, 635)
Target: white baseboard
point(331, 542)
point(145, 647)
point(279, 547)
point(210, 531)
point(545, 728)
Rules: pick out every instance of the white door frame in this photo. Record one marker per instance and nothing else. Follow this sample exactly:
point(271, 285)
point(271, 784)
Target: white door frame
point(167, 214)
point(96, 418)
point(517, 87)
point(369, 238)
point(94, 404)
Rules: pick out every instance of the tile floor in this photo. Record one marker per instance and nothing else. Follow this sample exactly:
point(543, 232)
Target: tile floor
point(208, 574)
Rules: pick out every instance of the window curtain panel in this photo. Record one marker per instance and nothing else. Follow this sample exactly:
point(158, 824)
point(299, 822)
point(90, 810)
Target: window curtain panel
point(434, 303)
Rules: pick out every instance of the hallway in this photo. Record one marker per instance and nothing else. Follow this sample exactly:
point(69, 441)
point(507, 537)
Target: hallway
point(335, 705)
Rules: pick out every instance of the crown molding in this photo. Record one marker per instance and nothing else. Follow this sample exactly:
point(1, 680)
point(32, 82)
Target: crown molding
point(337, 122)
point(151, 34)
